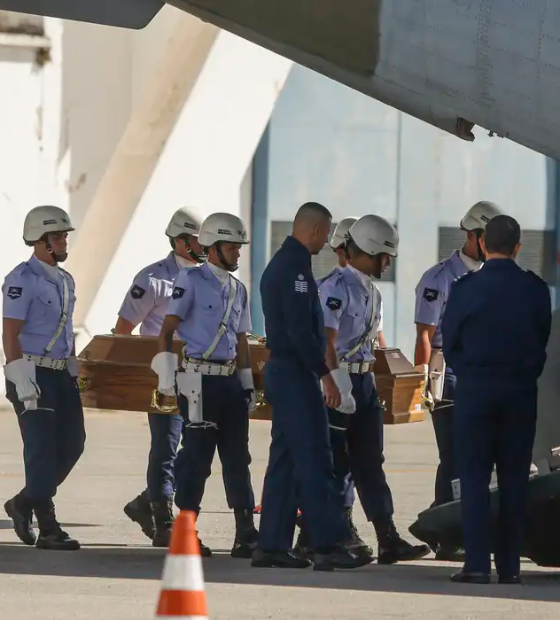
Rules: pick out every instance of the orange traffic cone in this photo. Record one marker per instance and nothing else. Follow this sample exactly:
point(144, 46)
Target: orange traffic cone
point(182, 591)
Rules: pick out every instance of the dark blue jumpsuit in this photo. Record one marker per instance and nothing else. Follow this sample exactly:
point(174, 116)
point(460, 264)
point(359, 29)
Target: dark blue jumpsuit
point(300, 463)
point(495, 331)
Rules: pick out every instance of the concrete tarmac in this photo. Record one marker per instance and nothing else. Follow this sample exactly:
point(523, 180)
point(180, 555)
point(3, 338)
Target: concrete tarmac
point(116, 575)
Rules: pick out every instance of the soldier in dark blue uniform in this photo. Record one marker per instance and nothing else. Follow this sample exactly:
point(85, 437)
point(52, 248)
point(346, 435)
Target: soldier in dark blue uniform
point(300, 452)
point(495, 330)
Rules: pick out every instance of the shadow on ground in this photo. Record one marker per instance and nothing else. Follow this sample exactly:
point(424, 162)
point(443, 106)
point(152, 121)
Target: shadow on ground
point(138, 562)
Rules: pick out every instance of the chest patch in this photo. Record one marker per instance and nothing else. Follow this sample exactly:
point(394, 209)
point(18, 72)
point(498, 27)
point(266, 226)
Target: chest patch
point(137, 292)
point(333, 303)
point(431, 294)
point(178, 292)
point(14, 292)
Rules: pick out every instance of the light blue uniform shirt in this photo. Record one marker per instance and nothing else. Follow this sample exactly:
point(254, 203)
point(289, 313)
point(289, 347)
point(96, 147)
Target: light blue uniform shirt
point(432, 292)
point(347, 304)
point(147, 299)
point(34, 295)
point(200, 301)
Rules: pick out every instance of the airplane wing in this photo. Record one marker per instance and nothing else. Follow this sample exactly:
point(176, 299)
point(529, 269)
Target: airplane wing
point(134, 14)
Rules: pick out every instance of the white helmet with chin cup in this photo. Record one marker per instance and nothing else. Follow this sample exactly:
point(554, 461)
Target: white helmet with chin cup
point(375, 235)
point(338, 237)
point(222, 227)
point(43, 220)
point(479, 215)
point(184, 222)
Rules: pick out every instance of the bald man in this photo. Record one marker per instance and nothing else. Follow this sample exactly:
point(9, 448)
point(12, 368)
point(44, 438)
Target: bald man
point(298, 385)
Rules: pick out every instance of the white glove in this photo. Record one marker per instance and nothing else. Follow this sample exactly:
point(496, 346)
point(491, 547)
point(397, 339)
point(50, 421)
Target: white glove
point(165, 365)
point(246, 378)
point(22, 374)
point(344, 384)
point(72, 366)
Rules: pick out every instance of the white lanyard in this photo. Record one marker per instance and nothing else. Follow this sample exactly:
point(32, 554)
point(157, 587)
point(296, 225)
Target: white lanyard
point(63, 316)
point(225, 318)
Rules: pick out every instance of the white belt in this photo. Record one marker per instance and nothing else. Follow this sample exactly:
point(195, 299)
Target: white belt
point(209, 368)
point(356, 368)
point(46, 362)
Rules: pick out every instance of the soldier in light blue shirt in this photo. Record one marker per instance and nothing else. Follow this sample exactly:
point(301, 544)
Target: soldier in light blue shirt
point(145, 304)
point(41, 372)
point(209, 311)
point(352, 312)
point(432, 293)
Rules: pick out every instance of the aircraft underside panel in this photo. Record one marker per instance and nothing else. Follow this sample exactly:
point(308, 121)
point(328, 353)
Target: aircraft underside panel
point(493, 63)
point(451, 63)
point(132, 14)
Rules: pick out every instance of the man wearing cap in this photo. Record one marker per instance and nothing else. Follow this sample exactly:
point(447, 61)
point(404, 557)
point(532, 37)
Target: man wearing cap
point(145, 304)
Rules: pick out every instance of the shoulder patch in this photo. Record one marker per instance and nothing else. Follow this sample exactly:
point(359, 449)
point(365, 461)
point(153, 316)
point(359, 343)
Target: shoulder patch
point(430, 294)
point(137, 292)
point(334, 303)
point(14, 292)
point(178, 292)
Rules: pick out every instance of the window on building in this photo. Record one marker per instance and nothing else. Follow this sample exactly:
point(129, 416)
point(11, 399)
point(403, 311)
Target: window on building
point(325, 261)
point(538, 250)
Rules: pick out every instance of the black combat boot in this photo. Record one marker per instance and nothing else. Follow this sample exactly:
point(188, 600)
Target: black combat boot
point(246, 534)
point(392, 548)
point(51, 535)
point(338, 557)
point(205, 552)
point(356, 544)
point(303, 546)
point(163, 519)
point(20, 510)
point(140, 511)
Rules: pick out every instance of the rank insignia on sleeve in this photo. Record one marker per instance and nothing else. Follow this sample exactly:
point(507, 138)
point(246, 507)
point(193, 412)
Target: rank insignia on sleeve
point(333, 303)
point(178, 292)
point(431, 294)
point(301, 285)
point(137, 292)
point(14, 292)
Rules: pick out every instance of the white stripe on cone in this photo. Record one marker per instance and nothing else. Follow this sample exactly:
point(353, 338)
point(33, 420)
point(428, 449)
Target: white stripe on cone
point(183, 572)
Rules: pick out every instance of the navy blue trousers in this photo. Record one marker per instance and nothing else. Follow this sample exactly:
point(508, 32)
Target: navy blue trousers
point(53, 434)
point(494, 425)
point(359, 450)
point(224, 404)
point(165, 433)
point(442, 419)
point(300, 463)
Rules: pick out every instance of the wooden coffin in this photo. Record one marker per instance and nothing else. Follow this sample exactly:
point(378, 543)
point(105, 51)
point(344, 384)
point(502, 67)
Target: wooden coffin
point(115, 374)
point(400, 387)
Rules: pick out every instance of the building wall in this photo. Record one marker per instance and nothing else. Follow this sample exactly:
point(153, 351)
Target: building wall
point(70, 92)
point(330, 144)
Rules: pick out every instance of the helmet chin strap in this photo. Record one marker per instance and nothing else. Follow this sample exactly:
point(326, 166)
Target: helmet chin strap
point(481, 255)
point(197, 258)
point(58, 258)
point(227, 266)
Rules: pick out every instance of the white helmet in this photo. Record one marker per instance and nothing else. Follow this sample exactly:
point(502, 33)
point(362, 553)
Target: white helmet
point(222, 227)
point(184, 222)
point(375, 235)
point(479, 215)
point(47, 219)
point(341, 230)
